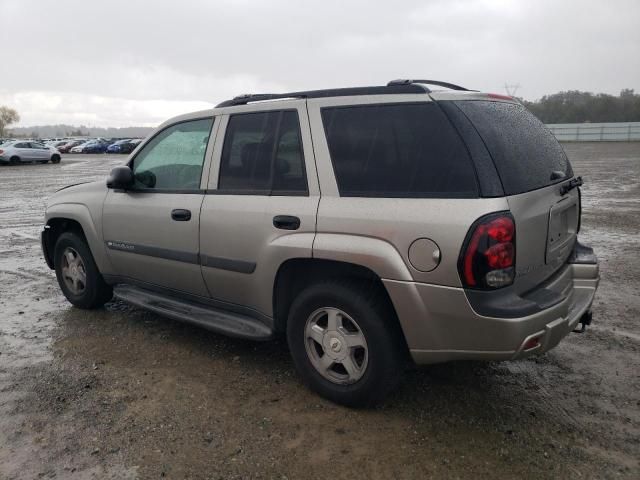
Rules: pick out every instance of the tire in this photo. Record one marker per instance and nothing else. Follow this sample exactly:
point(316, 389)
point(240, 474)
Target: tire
point(14, 160)
point(55, 159)
point(86, 291)
point(363, 313)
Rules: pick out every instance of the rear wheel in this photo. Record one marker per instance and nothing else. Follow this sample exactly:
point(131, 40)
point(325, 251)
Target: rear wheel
point(77, 273)
point(14, 160)
point(55, 159)
point(346, 343)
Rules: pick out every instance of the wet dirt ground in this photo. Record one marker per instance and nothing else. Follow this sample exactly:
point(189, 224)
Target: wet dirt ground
point(121, 393)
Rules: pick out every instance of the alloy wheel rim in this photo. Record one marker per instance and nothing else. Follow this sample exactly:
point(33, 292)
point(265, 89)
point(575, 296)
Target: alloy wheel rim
point(336, 346)
point(74, 272)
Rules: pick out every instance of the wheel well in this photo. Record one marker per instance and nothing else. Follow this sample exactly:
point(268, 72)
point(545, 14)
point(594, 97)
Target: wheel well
point(56, 227)
point(296, 274)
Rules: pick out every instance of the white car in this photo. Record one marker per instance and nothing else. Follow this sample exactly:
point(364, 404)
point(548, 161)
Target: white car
point(79, 148)
point(22, 151)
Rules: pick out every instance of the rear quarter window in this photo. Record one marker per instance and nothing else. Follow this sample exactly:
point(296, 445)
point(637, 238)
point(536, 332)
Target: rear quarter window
point(525, 152)
point(397, 150)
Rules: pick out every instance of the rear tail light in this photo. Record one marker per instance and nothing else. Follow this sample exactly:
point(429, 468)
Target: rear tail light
point(1, 151)
point(488, 257)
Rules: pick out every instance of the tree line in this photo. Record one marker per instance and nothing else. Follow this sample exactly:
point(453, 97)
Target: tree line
point(575, 106)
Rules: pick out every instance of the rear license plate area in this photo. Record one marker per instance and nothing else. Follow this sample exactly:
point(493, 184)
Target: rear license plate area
point(563, 223)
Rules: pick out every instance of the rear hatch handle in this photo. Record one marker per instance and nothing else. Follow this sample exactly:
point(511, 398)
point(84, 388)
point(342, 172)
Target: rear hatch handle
point(570, 185)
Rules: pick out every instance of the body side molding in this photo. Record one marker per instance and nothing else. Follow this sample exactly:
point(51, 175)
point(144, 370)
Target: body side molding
point(240, 266)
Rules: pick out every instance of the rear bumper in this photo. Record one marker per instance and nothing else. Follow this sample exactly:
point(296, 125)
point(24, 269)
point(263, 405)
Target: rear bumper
point(440, 324)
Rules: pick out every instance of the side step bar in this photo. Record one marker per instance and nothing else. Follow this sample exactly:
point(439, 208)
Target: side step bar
point(224, 322)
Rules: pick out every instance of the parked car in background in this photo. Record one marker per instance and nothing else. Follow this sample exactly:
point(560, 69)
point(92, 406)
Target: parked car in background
point(55, 143)
point(27, 151)
point(69, 145)
point(130, 146)
point(77, 148)
point(98, 146)
point(116, 146)
point(80, 148)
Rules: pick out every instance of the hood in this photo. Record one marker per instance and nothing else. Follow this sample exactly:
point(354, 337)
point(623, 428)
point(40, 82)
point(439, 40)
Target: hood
point(72, 185)
point(78, 193)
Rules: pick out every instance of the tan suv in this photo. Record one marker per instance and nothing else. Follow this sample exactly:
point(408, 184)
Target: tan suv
point(370, 225)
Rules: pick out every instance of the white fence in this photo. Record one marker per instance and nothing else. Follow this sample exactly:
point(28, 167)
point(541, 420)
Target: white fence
point(596, 132)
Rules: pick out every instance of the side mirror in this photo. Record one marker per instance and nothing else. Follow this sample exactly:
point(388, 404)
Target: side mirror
point(120, 178)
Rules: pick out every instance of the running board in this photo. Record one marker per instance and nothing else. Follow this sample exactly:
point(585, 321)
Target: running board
point(228, 323)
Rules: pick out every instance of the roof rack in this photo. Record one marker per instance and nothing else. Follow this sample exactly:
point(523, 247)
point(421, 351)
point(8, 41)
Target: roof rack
point(334, 92)
point(260, 97)
point(393, 87)
point(427, 82)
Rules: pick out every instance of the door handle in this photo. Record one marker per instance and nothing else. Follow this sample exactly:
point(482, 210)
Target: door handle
point(181, 215)
point(286, 222)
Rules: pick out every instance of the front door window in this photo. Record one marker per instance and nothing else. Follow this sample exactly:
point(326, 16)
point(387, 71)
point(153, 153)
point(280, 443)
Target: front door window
point(173, 159)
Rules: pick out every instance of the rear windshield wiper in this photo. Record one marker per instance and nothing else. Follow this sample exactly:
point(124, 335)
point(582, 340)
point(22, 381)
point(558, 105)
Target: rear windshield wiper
point(570, 185)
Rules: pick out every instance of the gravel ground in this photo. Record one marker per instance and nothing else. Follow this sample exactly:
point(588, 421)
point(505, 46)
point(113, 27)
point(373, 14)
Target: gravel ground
point(122, 393)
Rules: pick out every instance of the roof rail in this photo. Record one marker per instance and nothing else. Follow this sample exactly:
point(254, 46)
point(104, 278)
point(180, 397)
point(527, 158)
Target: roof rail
point(405, 88)
point(427, 82)
point(259, 97)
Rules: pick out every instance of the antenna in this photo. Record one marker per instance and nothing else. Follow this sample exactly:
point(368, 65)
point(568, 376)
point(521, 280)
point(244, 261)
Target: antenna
point(511, 89)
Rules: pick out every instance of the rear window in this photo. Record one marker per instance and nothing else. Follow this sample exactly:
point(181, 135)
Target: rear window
point(525, 152)
point(397, 150)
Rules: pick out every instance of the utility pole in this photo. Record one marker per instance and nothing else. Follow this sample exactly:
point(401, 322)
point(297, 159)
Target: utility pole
point(511, 89)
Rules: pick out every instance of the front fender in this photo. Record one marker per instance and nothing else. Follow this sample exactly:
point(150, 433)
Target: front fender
point(80, 213)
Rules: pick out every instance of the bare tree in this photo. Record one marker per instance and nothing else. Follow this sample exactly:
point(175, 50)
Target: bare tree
point(7, 117)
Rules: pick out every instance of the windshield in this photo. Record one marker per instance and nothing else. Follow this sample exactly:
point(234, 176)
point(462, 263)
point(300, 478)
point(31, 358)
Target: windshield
point(526, 154)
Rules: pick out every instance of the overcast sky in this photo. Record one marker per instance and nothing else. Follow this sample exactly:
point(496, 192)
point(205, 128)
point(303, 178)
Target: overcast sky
point(123, 63)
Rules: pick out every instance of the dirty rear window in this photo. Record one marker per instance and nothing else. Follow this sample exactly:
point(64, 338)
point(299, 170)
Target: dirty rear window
point(525, 152)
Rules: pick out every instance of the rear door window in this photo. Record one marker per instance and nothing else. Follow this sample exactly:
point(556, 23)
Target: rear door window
point(526, 154)
point(262, 155)
point(397, 150)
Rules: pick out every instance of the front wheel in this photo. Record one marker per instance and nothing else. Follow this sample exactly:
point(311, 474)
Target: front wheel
point(77, 273)
point(346, 343)
point(55, 159)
